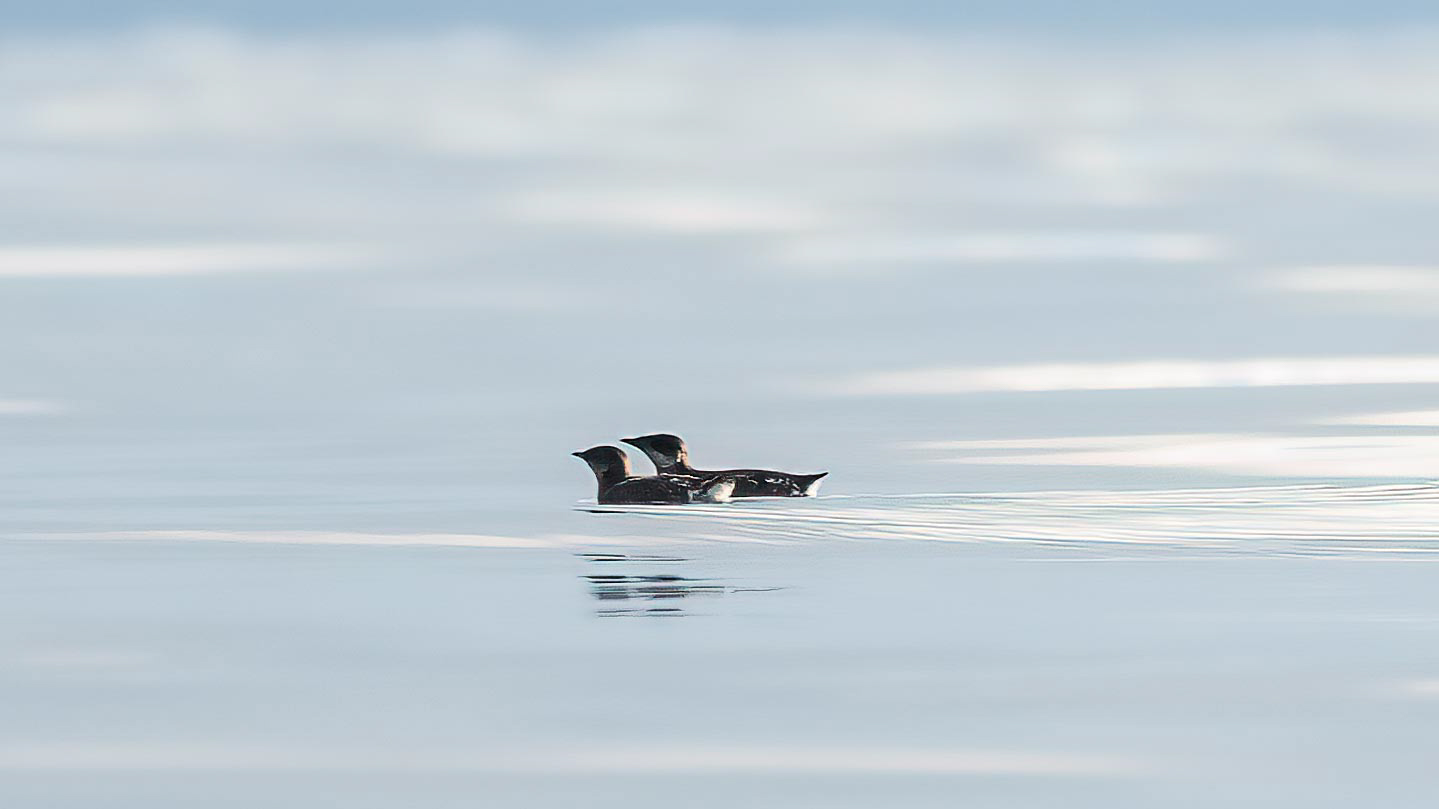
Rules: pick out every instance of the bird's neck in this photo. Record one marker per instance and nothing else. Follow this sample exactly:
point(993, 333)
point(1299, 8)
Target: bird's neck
point(682, 463)
point(610, 477)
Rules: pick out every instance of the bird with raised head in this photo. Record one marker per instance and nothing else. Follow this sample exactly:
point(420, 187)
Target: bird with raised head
point(672, 460)
point(616, 485)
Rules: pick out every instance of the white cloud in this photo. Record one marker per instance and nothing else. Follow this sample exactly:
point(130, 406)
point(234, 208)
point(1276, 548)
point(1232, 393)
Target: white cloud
point(860, 139)
point(674, 758)
point(1408, 418)
point(503, 296)
point(1375, 279)
point(306, 538)
point(683, 212)
point(1144, 375)
point(842, 760)
point(1001, 247)
point(161, 260)
point(1419, 688)
point(30, 407)
point(1330, 456)
point(286, 537)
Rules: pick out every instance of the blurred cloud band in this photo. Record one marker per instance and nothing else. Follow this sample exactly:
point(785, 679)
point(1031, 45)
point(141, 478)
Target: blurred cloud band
point(1003, 247)
point(125, 260)
point(1409, 418)
point(76, 757)
point(1329, 456)
point(1147, 375)
point(29, 407)
point(858, 146)
point(1382, 280)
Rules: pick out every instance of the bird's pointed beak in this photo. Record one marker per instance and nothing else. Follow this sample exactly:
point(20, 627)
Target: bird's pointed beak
point(578, 454)
point(630, 441)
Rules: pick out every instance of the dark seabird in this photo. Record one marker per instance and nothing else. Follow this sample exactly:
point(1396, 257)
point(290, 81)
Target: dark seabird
point(671, 458)
point(616, 485)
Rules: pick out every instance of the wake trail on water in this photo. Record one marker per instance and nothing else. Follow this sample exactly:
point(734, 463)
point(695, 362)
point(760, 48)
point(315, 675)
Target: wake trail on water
point(1308, 519)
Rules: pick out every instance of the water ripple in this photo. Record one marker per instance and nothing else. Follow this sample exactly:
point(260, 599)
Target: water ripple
point(1276, 520)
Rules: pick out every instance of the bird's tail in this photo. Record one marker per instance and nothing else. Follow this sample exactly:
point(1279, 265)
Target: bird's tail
point(809, 484)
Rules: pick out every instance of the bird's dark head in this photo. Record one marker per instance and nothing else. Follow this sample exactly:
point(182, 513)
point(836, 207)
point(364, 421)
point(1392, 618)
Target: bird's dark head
point(605, 461)
point(667, 451)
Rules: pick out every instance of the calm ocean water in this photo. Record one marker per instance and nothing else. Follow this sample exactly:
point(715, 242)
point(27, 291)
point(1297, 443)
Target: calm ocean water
point(237, 621)
point(362, 570)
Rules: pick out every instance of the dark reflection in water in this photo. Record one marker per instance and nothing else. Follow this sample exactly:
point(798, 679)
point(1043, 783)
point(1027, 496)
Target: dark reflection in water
point(625, 557)
point(651, 595)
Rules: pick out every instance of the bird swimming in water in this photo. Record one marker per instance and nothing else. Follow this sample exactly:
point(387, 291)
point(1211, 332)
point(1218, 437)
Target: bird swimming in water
point(671, 459)
point(616, 485)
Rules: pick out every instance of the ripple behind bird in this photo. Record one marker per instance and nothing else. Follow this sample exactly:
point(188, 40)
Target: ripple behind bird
point(676, 482)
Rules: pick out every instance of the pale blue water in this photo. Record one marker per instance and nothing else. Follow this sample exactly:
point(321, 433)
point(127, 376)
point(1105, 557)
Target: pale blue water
point(164, 673)
point(360, 578)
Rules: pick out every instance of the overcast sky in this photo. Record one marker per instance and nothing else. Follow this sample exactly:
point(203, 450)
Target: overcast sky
point(1058, 14)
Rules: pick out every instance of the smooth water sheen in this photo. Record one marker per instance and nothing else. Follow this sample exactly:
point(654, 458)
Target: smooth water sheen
point(173, 672)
